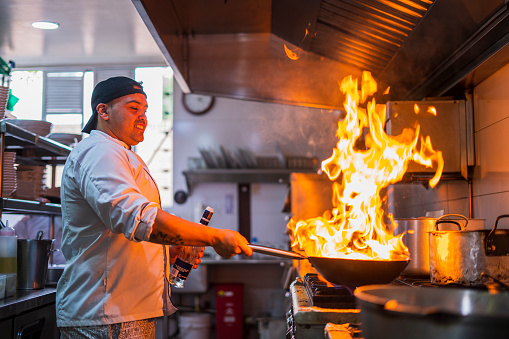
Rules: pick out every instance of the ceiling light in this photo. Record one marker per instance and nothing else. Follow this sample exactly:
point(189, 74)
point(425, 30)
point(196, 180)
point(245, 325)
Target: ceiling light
point(45, 25)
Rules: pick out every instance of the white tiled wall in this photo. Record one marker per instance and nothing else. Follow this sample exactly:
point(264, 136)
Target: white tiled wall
point(491, 175)
point(416, 200)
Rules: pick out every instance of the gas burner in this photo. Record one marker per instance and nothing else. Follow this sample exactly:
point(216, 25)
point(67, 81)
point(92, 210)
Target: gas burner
point(321, 295)
point(306, 320)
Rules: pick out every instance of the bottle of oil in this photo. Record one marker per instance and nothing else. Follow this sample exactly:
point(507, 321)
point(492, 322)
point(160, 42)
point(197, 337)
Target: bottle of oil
point(187, 256)
point(8, 249)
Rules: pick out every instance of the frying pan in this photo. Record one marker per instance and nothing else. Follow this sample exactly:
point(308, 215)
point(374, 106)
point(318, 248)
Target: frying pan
point(351, 273)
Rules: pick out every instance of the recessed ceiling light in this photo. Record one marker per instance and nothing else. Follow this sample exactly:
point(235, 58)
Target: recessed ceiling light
point(45, 25)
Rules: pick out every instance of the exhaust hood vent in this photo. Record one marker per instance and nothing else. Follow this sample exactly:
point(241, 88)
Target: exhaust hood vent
point(237, 49)
point(365, 34)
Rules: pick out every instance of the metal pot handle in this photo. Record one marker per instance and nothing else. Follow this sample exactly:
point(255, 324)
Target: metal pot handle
point(496, 223)
point(39, 235)
point(441, 221)
point(489, 248)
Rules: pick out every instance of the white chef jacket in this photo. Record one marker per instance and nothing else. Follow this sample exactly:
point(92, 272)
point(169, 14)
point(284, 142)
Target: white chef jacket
point(109, 204)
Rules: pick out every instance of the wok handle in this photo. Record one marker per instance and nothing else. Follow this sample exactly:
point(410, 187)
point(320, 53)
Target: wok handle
point(276, 252)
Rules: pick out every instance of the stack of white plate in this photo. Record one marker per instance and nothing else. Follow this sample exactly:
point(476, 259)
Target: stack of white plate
point(9, 174)
point(68, 139)
point(4, 96)
point(39, 127)
point(31, 181)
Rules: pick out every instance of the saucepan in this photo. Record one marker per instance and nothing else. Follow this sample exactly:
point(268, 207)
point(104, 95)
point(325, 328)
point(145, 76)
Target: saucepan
point(466, 256)
point(351, 273)
point(32, 263)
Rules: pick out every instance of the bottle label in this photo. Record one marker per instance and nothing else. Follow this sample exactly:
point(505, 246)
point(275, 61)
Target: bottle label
point(181, 269)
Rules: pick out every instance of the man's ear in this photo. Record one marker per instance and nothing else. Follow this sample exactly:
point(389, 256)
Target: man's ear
point(102, 110)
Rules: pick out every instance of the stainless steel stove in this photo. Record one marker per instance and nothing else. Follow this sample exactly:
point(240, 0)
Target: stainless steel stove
point(321, 310)
point(314, 305)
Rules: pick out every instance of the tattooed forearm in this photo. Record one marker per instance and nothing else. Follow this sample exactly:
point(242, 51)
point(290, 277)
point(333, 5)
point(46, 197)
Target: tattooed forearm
point(165, 239)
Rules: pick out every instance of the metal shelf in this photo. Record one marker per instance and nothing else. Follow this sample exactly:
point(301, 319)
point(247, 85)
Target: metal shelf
point(31, 145)
point(31, 148)
point(28, 206)
point(281, 176)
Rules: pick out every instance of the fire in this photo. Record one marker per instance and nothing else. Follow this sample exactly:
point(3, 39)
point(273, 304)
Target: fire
point(365, 161)
point(432, 110)
point(291, 54)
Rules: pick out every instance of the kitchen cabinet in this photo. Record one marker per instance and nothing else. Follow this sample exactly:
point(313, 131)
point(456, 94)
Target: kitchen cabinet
point(31, 149)
point(5, 326)
point(29, 314)
point(38, 323)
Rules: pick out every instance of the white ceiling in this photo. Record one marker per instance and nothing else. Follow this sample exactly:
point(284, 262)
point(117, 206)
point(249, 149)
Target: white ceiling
point(92, 33)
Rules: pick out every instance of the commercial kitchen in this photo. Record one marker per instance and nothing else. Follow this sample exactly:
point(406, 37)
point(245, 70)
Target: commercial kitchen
point(359, 145)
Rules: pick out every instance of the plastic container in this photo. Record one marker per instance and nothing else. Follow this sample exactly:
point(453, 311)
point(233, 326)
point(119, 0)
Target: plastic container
point(8, 252)
point(195, 325)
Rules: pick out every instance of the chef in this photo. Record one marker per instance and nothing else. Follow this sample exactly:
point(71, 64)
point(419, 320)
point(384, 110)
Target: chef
point(115, 234)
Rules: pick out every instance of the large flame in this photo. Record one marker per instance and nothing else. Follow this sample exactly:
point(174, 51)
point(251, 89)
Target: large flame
point(365, 161)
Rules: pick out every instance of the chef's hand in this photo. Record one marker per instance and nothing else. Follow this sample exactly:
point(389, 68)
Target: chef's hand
point(175, 251)
point(198, 260)
point(230, 243)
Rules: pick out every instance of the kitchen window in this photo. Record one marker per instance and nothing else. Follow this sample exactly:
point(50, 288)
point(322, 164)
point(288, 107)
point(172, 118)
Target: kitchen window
point(63, 98)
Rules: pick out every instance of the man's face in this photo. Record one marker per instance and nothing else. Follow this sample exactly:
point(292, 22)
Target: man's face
point(126, 119)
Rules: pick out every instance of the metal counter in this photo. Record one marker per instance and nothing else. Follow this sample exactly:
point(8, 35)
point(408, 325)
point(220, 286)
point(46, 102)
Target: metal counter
point(24, 301)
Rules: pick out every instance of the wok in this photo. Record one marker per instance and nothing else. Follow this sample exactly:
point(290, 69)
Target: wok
point(351, 273)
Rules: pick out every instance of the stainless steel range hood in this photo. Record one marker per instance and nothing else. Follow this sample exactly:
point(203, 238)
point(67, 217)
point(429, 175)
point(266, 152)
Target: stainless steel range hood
point(236, 49)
